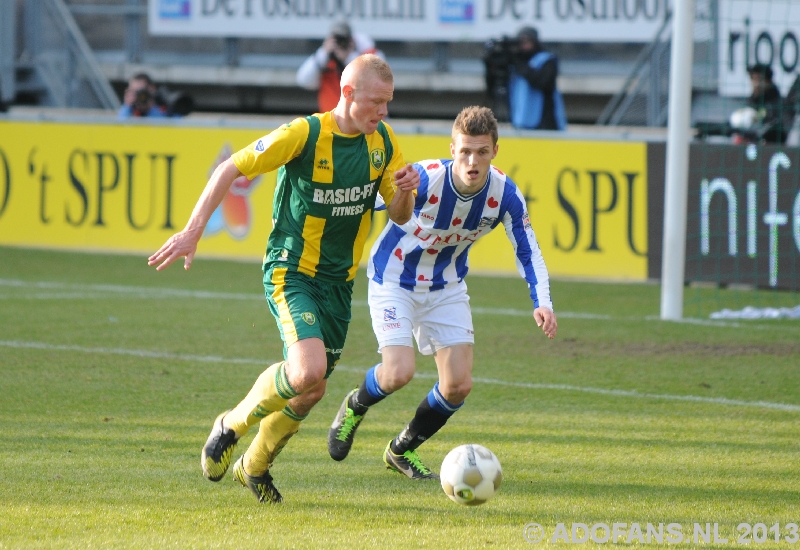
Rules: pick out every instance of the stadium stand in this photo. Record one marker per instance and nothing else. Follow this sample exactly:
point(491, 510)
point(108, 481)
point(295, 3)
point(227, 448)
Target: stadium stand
point(109, 37)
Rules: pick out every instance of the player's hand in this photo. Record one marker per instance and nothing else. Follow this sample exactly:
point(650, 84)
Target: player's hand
point(129, 97)
point(329, 44)
point(406, 179)
point(183, 244)
point(546, 319)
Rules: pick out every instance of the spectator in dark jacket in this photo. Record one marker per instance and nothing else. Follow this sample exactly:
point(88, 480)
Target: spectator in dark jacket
point(767, 101)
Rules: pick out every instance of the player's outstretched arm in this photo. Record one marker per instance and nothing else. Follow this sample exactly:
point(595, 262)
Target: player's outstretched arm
point(184, 243)
point(402, 206)
point(546, 318)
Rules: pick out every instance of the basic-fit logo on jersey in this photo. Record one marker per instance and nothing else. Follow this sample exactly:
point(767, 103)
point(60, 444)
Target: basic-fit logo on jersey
point(377, 157)
point(308, 317)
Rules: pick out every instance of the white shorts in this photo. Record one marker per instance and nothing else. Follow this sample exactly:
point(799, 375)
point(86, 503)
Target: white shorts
point(437, 319)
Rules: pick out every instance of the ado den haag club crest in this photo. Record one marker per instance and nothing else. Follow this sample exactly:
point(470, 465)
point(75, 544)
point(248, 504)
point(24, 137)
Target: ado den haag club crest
point(377, 157)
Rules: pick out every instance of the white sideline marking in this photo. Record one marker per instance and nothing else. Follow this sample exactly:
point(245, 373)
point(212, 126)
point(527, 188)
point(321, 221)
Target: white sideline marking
point(245, 361)
point(67, 291)
point(97, 291)
point(73, 291)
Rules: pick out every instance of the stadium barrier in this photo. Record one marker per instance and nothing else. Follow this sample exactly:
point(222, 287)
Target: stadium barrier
point(743, 215)
point(596, 205)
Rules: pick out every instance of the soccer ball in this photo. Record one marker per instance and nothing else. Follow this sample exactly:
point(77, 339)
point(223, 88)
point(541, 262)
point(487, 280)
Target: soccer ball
point(471, 474)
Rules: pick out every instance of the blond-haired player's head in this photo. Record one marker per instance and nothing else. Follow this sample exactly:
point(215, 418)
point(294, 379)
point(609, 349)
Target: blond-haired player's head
point(365, 66)
point(473, 148)
point(367, 88)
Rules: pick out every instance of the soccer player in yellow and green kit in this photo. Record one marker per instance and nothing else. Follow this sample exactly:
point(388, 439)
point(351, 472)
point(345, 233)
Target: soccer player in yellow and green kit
point(331, 166)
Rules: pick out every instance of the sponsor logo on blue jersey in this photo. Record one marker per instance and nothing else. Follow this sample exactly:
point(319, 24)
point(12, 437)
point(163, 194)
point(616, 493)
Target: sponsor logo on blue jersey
point(175, 9)
point(486, 221)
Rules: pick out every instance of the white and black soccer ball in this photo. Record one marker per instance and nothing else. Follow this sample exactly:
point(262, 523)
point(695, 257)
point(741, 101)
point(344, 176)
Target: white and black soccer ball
point(471, 474)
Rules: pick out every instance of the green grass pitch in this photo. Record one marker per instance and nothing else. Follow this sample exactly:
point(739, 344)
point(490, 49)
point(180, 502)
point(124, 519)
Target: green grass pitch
point(111, 375)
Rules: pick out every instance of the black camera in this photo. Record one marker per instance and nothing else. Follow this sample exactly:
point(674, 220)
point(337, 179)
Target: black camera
point(499, 55)
point(142, 100)
point(174, 103)
point(342, 41)
point(501, 52)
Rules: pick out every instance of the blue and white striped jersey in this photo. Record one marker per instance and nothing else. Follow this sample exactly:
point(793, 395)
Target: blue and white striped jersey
point(430, 251)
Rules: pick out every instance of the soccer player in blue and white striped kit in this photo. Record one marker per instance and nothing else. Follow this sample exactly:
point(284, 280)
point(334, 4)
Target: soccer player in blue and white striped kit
point(417, 288)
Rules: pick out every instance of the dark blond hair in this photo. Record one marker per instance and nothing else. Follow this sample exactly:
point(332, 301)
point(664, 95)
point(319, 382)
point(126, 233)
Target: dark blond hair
point(476, 121)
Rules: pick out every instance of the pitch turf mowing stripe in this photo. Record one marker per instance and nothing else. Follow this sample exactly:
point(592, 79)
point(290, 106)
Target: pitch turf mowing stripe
point(98, 291)
point(528, 385)
point(84, 292)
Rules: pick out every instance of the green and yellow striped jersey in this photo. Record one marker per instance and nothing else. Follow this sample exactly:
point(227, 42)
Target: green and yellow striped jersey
point(325, 194)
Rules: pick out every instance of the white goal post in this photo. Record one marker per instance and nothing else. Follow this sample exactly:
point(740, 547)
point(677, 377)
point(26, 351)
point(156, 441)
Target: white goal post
point(677, 169)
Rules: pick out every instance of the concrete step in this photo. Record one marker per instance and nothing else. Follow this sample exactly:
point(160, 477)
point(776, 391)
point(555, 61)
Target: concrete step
point(464, 75)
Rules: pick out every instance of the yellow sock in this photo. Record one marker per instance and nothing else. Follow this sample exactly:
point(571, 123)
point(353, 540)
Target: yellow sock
point(273, 434)
point(270, 393)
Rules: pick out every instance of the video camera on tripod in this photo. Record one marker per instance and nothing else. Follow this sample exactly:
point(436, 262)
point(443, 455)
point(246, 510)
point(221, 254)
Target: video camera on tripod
point(499, 55)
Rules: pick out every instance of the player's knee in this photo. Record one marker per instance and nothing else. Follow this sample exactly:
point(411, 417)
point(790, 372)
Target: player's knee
point(314, 395)
point(396, 375)
point(306, 374)
point(456, 392)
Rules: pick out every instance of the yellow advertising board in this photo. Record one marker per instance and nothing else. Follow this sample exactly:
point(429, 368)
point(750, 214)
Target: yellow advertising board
point(124, 187)
point(587, 202)
point(128, 188)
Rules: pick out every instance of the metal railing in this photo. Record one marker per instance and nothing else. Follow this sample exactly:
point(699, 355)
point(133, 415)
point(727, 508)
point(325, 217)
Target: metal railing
point(643, 97)
point(63, 68)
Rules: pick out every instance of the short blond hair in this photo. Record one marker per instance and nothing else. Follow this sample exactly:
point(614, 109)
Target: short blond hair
point(364, 65)
point(475, 121)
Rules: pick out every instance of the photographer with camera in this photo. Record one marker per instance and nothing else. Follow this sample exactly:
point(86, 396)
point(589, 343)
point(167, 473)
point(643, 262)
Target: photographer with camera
point(521, 78)
point(143, 99)
point(139, 99)
point(322, 71)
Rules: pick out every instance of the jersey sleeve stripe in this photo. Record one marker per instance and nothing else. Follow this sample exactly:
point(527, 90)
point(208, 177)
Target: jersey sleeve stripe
point(422, 190)
point(514, 207)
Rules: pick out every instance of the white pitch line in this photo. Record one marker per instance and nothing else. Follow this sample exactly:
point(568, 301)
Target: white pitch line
point(135, 291)
point(528, 385)
point(46, 290)
point(67, 291)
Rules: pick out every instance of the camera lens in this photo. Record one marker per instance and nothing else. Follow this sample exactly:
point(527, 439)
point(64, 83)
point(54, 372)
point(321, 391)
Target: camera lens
point(342, 41)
